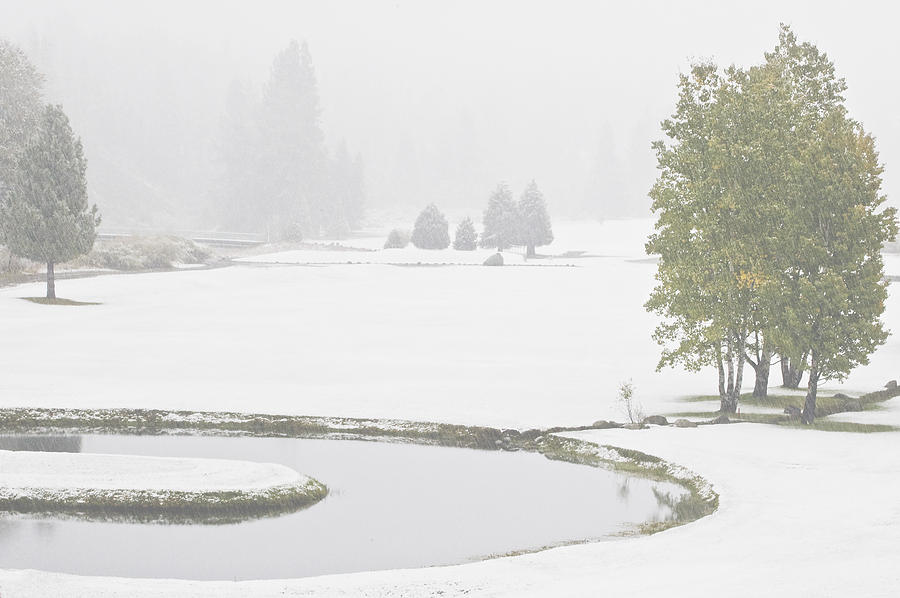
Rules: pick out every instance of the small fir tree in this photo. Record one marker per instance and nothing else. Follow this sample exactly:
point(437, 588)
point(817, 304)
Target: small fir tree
point(466, 237)
point(534, 221)
point(45, 214)
point(431, 230)
point(500, 220)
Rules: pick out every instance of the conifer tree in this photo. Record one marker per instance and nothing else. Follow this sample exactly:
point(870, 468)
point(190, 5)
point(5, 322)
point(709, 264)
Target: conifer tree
point(501, 220)
point(237, 159)
point(534, 221)
point(466, 238)
point(431, 229)
point(45, 212)
point(20, 107)
point(293, 166)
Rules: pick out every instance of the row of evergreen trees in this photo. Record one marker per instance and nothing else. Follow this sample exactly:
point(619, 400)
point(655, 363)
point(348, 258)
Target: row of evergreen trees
point(506, 223)
point(276, 173)
point(44, 211)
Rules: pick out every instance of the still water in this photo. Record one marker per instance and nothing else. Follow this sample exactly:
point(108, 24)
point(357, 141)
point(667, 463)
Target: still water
point(389, 506)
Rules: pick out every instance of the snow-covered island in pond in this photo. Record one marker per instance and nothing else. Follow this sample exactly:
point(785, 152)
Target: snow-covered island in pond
point(389, 300)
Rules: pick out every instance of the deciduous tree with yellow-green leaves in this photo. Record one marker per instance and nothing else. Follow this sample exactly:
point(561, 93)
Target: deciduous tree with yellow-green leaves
point(769, 224)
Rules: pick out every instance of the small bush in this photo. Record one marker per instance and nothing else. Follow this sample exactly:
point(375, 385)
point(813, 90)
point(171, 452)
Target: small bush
point(397, 239)
point(629, 406)
point(142, 253)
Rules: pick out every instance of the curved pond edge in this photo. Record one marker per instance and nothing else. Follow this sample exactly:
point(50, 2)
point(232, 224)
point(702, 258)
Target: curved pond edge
point(699, 500)
point(164, 506)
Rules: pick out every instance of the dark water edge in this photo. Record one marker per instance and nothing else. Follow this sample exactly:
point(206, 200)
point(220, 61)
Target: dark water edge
point(390, 506)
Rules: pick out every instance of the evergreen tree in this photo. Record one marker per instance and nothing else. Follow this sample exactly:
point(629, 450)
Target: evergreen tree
point(501, 220)
point(466, 238)
point(534, 221)
point(238, 163)
point(45, 213)
point(293, 166)
point(275, 173)
point(346, 195)
point(431, 229)
point(20, 108)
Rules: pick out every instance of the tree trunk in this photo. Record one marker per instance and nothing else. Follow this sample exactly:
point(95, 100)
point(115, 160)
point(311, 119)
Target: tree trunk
point(790, 374)
point(761, 386)
point(721, 374)
point(739, 377)
point(529, 252)
point(51, 282)
point(809, 405)
point(727, 402)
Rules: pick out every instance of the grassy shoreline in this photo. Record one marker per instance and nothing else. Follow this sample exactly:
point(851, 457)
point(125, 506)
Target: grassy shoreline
point(825, 406)
point(700, 498)
point(165, 506)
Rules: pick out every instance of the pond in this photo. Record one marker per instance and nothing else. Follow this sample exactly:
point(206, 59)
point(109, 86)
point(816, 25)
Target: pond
point(389, 506)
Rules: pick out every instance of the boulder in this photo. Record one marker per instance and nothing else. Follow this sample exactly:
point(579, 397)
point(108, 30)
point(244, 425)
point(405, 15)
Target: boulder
point(685, 423)
point(634, 426)
point(840, 395)
point(891, 385)
point(494, 260)
point(656, 420)
point(602, 424)
point(722, 419)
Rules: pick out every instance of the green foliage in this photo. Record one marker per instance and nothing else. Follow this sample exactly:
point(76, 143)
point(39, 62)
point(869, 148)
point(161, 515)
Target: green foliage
point(769, 220)
point(20, 108)
point(45, 213)
point(534, 220)
point(466, 238)
point(431, 230)
point(501, 220)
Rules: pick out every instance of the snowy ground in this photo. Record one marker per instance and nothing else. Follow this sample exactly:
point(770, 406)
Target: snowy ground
point(892, 264)
point(804, 513)
point(519, 347)
point(407, 256)
point(23, 471)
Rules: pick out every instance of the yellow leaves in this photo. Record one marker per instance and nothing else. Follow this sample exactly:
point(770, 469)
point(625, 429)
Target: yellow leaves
point(750, 280)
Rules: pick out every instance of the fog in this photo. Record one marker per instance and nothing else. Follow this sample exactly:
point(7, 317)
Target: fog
point(441, 100)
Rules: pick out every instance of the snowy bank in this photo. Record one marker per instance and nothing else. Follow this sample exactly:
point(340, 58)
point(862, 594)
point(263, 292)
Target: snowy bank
point(149, 486)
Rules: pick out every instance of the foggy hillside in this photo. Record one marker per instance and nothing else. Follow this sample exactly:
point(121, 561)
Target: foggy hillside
point(441, 101)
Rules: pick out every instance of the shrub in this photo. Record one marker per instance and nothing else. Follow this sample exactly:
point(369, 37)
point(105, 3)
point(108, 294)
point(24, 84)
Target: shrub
point(629, 406)
point(397, 239)
point(142, 253)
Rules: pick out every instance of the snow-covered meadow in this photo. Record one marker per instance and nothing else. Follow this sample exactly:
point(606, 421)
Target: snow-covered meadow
point(803, 513)
point(509, 347)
